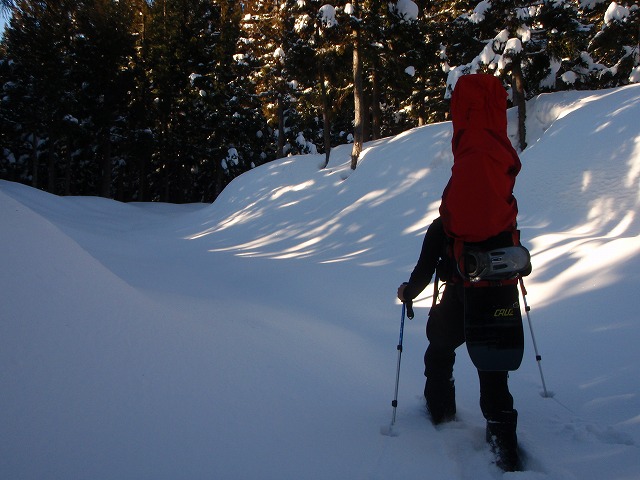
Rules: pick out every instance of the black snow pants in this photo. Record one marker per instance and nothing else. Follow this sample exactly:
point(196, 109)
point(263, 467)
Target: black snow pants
point(445, 331)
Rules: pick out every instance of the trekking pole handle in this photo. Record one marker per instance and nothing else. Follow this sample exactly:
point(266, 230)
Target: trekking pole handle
point(409, 305)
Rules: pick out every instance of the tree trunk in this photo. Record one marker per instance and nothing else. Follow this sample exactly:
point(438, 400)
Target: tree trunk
point(67, 172)
point(422, 115)
point(34, 161)
point(326, 116)
point(219, 180)
point(105, 184)
point(142, 176)
point(357, 94)
point(517, 84)
point(51, 169)
point(376, 116)
point(281, 136)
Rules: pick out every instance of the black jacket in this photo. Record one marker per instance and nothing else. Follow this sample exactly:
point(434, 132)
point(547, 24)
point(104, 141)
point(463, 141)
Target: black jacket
point(433, 256)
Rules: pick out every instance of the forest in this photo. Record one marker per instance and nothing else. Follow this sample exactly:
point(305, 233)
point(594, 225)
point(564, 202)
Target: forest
point(169, 100)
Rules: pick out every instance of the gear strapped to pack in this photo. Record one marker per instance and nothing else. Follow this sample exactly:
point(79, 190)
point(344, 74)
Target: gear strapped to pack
point(489, 265)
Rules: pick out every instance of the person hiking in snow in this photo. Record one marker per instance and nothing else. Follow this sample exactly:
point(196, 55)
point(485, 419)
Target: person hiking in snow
point(473, 208)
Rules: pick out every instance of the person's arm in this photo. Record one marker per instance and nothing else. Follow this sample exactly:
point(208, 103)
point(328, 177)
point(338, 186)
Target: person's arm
point(427, 262)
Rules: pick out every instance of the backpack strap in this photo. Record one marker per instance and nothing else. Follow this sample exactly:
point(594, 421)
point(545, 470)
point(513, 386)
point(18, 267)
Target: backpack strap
point(436, 292)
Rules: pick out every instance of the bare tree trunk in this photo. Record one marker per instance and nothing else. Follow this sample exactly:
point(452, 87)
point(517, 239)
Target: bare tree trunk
point(376, 120)
point(34, 161)
point(142, 176)
point(517, 83)
point(280, 151)
point(51, 169)
point(422, 115)
point(219, 180)
point(326, 116)
point(357, 94)
point(105, 184)
point(67, 172)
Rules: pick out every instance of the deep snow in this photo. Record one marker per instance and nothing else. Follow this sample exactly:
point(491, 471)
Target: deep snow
point(255, 338)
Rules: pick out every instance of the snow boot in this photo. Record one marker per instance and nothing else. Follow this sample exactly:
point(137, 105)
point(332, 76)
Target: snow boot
point(502, 438)
point(441, 401)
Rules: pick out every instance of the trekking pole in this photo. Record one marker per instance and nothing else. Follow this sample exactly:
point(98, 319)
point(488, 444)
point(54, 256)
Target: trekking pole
point(388, 430)
point(527, 308)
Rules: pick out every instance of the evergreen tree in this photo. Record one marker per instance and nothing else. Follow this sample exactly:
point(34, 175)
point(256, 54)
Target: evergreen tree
point(38, 46)
point(439, 19)
point(321, 68)
point(556, 38)
point(356, 19)
point(414, 75)
point(176, 60)
point(613, 52)
point(104, 49)
point(69, 61)
point(140, 141)
point(377, 55)
point(314, 24)
point(11, 164)
point(368, 21)
point(240, 126)
point(269, 28)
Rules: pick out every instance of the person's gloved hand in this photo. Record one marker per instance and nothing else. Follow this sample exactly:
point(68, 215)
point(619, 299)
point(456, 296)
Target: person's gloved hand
point(401, 291)
point(408, 303)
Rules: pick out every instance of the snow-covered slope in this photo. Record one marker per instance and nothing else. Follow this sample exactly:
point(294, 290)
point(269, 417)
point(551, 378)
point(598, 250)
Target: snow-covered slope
point(255, 338)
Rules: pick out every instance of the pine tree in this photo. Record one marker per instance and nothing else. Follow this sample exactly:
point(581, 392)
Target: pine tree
point(10, 146)
point(140, 140)
point(414, 72)
point(367, 20)
point(356, 17)
point(613, 52)
point(240, 126)
point(556, 38)
point(38, 48)
point(70, 63)
point(321, 67)
point(175, 61)
point(104, 47)
point(269, 28)
point(449, 43)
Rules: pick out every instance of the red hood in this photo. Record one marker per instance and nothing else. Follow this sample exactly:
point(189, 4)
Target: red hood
point(479, 101)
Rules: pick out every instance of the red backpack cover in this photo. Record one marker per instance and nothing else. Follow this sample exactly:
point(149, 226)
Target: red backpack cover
point(478, 201)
